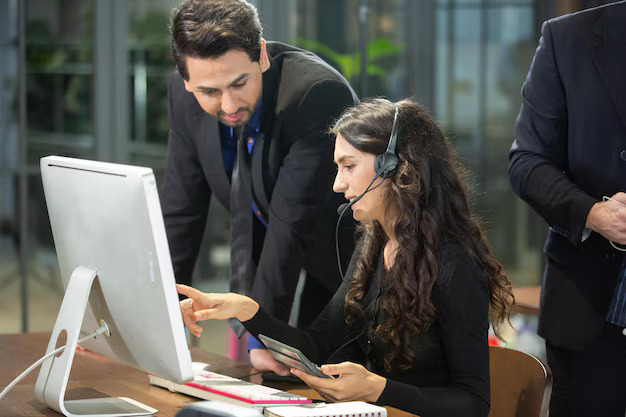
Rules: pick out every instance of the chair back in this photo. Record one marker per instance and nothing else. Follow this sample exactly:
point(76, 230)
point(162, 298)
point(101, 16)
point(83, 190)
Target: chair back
point(521, 384)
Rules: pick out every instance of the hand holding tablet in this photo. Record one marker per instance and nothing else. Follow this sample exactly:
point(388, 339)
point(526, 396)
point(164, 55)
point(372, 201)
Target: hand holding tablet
point(291, 356)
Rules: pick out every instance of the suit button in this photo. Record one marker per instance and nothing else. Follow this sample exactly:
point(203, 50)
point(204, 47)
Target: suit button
point(622, 155)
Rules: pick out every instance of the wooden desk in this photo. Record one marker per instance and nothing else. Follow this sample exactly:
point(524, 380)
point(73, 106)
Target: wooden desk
point(527, 300)
point(94, 376)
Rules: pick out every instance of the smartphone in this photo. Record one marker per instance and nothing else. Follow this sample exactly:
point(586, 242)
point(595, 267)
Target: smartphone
point(272, 377)
point(291, 356)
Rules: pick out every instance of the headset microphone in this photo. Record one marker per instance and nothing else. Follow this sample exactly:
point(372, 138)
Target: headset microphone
point(342, 208)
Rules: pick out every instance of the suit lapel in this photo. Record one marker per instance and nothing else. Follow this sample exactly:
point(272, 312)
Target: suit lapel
point(609, 56)
point(209, 145)
point(260, 164)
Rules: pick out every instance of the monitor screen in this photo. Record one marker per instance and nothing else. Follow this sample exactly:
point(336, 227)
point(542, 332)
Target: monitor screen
point(107, 217)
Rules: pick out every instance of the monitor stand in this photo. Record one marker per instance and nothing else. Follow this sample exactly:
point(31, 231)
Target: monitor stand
point(52, 381)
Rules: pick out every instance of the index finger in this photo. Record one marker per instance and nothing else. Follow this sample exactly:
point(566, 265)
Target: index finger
point(188, 291)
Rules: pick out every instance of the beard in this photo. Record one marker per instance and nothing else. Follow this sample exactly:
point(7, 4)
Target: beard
point(244, 112)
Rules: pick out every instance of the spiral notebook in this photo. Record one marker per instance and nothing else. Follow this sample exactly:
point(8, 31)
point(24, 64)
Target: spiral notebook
point(346, 409)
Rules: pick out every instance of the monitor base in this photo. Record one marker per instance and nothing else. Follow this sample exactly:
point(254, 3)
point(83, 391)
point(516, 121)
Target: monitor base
point(52, 380)
point(109, 407)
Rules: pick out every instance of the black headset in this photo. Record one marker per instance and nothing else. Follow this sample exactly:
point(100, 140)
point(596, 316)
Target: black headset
point(386, 163)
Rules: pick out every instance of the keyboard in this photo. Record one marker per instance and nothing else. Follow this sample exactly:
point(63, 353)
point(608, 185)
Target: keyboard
point(213, 386)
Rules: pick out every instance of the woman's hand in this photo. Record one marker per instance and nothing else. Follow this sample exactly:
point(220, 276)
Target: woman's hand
point(354, 383)
point(204, 306)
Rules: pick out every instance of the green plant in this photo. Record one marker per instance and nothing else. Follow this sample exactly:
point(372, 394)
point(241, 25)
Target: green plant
point(350, 64)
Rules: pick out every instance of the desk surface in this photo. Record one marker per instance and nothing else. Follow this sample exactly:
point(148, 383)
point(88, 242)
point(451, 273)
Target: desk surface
point(94, 376)
point(527, 300)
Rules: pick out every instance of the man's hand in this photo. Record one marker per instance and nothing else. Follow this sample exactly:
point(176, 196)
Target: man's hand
point(609, 218)
point(204, 306)
point(263, 361)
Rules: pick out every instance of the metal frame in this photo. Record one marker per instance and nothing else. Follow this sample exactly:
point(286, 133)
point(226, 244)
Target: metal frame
point(23, 167)
point(111, 104)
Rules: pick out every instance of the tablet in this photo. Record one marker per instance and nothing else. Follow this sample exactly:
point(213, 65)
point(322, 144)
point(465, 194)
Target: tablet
point(291, 356)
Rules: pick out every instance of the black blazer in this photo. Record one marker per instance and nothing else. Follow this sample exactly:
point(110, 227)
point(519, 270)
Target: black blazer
point(569, 152)
point(292, 173)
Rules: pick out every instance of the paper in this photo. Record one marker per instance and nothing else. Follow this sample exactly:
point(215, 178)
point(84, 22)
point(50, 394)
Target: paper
point(345, 409)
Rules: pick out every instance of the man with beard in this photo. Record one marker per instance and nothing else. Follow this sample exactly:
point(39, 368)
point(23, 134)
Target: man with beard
point(249, 123)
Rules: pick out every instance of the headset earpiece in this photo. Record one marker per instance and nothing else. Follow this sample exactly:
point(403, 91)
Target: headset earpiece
point(386, 163)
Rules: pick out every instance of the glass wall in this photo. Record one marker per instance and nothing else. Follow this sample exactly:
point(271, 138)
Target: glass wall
point(484, 49)
point(10, 309)
point(60, 78)
point(374, 44)
point(57, 102)
point(149, 66)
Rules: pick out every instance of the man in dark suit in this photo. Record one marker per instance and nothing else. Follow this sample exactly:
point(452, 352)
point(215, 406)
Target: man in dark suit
point(569, 153)
point(249, 125)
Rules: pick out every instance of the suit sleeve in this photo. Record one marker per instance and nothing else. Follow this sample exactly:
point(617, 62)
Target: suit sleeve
point(317, 342)
point(185, 194)
point(303, 187)
point(538, 169)
point(322, 338)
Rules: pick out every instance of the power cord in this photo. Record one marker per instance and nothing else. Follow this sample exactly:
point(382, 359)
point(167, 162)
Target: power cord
point(346, 206)
point(101, 330)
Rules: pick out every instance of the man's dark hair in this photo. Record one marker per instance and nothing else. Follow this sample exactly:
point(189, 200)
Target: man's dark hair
point(210, 28)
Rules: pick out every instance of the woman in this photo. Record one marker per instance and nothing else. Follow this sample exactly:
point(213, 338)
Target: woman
point(408, 328)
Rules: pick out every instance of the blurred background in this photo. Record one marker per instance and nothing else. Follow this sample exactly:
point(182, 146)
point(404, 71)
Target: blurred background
point(86, 78)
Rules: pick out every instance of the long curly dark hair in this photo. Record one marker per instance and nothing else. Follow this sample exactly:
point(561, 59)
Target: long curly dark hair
point(428, 200)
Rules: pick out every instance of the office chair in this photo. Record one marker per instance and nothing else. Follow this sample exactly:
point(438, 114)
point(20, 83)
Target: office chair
point(521, 384)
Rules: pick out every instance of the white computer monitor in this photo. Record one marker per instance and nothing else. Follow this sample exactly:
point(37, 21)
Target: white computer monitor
point(115, 265)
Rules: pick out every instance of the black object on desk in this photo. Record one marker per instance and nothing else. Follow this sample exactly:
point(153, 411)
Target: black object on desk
point(272, 377)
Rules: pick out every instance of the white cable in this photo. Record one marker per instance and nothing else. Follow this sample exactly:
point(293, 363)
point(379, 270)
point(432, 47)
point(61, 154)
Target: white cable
point(101, 330)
